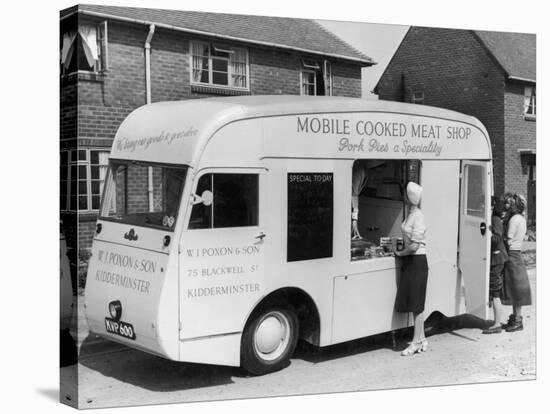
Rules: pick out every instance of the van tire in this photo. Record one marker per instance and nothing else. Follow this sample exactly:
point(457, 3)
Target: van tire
point(269, 339)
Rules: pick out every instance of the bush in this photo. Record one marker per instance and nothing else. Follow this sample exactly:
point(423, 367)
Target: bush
point(83, 259)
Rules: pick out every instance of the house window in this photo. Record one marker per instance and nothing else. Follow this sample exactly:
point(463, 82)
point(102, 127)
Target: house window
point(219, 66)
point(309, 83)
point(530, 102)
point(84, 49)
point(417, 97)
point(314, 80)
point(81, 179)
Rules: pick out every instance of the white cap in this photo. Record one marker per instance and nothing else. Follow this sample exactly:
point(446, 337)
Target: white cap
point(414, 192)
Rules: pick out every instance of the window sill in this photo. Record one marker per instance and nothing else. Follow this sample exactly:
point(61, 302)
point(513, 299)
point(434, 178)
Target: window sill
point(88, 215)
point(82, 215)
point(530, 117)
point(82, 76)
point(218, 90)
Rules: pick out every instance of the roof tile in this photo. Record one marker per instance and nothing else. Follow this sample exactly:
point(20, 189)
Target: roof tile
point(516, 52)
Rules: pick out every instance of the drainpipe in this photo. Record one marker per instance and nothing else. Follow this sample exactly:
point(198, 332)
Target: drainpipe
point(148, 63)
point(148, 101)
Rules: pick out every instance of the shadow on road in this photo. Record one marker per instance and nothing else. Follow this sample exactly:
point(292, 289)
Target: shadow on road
point(152, 372)
point(444, 324)
point(436, 324)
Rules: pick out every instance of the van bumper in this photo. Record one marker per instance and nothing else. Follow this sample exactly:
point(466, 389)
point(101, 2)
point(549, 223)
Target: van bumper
point(142, 343)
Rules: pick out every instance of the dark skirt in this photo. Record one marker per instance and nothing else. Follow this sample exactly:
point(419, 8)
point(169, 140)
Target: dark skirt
point(516, 283)
point(495, 281)
point(411, 291)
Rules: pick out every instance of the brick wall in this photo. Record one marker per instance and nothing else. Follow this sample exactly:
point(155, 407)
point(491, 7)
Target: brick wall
point(520, 134)
point(346, 80)
point(86, 230)
point(68, 112)
point(455, 72)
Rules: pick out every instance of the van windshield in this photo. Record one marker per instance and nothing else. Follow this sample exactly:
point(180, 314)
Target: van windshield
point(143, 194)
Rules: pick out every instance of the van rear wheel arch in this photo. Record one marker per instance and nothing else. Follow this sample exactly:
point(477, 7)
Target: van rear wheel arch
point(273, 328)
point(304, 306)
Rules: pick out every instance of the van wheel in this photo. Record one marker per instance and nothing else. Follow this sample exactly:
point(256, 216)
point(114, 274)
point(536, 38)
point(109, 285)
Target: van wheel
point(269, 340)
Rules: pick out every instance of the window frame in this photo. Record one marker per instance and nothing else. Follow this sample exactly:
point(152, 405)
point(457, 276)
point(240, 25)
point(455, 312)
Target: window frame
point(530, 100)
point(212, 174)
point(315, 68)
point(86, 162)
point(304, 82)
point(417, 97)
point(232, 74)
point(104, 213)
point(408, 169)
point(469, 193)
point(101, 63)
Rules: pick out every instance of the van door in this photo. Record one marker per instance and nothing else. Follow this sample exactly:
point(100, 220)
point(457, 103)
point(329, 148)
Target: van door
point(474, 235)
point(221, 252)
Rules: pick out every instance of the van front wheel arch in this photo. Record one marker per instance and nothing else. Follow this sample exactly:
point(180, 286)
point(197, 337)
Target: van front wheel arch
point(269, 339)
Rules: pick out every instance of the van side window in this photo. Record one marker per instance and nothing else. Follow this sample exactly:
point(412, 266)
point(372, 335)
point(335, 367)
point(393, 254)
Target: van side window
point(475, 195)
point(378, 205)
point(310, 216)
point(234, 204)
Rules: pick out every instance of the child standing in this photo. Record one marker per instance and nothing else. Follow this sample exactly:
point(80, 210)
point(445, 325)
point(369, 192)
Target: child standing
point(499, 256)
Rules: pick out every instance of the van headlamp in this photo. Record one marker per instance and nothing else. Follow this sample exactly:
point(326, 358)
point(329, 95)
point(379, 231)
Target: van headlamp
point(115, 309)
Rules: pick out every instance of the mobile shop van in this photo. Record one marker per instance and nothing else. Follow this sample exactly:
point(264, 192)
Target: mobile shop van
point(224, 234)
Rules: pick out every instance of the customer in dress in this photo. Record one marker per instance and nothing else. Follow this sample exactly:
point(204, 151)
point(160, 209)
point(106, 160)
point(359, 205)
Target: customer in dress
point(411, 292)
point(499, 256)
point(517, 291)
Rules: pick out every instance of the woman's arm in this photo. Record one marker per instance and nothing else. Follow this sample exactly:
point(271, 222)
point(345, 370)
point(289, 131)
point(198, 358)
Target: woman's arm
point(410, 249)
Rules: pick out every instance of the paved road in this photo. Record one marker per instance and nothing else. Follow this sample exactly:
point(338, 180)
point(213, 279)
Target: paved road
point(111, 374)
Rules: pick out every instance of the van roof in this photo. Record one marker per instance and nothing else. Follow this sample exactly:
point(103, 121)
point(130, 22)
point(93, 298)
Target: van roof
point(190, 123)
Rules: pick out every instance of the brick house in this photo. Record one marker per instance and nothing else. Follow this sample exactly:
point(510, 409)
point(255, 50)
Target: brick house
point(115, 59)
point(490, 75)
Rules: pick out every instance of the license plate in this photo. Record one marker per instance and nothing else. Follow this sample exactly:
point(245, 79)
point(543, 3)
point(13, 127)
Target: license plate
point(120, 328)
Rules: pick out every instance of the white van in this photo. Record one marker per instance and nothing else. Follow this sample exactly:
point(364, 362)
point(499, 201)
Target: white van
point(225, 228)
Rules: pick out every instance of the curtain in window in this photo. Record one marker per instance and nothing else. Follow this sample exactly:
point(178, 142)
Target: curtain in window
point(237, 61)
point(327, 73)
point(529, 101)
point(200, 62)
point(67, 49)
point(358, 182)
point(103, 166)
point(88, 35)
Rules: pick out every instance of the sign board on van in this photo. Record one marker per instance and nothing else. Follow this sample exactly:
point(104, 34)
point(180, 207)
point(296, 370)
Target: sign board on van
point(376, 135)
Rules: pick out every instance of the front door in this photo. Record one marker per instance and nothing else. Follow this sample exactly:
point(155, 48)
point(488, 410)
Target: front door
point(474, 235)
point(221, 251)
